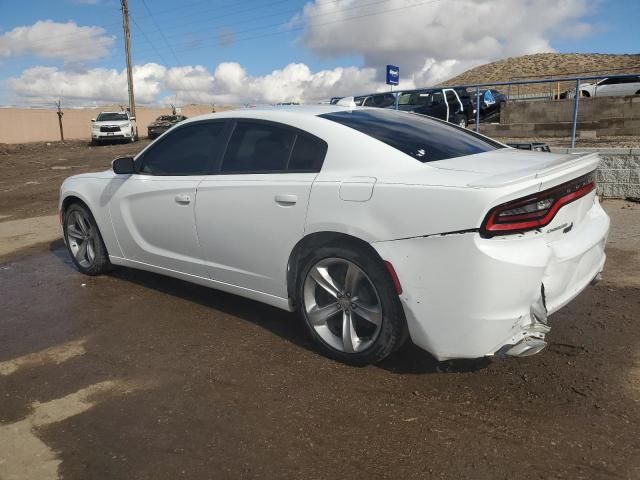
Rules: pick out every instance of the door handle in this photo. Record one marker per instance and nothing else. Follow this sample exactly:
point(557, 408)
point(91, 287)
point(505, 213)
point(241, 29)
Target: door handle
point(182, 199)
point(286, 200)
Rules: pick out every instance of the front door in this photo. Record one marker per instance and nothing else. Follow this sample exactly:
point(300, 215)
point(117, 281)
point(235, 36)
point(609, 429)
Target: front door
point(252, 213)
point(153, 211)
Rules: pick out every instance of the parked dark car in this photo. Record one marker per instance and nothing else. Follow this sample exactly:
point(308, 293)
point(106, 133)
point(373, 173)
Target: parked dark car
point(162, 124)
point(490, 104)
point(449, 104)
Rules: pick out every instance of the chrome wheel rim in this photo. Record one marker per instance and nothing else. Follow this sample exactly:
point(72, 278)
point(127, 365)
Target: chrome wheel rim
point(342, 305)
point(462, 123)
point(81, 238)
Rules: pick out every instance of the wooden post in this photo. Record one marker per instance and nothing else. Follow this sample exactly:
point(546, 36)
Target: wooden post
point(60, 114)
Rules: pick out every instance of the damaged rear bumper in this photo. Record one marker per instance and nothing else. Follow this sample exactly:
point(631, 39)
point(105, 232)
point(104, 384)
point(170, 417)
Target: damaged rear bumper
point(469, 297)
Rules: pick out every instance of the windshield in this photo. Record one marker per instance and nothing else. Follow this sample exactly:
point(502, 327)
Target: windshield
point(425, 139)
point(111, 117)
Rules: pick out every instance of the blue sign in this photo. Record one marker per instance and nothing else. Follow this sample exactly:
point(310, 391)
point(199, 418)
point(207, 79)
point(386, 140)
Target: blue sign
point(393, 75)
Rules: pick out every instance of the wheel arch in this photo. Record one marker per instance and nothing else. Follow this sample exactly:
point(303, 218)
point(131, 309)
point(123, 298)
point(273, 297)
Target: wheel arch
point(72, 198)
point(103, 223)
point(314, 240)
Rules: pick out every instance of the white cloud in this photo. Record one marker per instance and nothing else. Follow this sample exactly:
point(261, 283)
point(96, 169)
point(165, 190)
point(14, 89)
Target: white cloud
point(434, 40)
point(40, 85)
point(49, 39)
point(431, 40)
point(228, 84)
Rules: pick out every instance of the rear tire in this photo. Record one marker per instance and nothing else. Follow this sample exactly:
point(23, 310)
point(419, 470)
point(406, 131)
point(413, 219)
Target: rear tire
point(350, 305)
point(84, 241)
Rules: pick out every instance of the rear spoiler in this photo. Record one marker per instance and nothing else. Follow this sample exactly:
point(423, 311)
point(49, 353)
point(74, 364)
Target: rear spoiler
point(574, 163)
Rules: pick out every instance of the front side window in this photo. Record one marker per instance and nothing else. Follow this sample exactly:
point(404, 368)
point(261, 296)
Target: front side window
point(189, 150)
point(423, 138)
point(259, 148)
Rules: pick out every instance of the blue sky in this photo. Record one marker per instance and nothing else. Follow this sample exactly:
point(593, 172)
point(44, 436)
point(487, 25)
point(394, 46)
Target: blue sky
point(254, 38)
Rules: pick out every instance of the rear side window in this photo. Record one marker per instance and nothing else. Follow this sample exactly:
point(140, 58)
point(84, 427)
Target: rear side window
point(258, 147)
point(423, 138)
point(189, 150)
point(308, 154)
point(265, 148)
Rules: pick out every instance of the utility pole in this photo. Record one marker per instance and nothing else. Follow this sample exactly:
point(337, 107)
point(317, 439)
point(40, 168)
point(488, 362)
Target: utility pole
point(60, 114)
point(127, 47)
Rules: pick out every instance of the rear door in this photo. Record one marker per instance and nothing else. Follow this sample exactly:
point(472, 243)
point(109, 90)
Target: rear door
point(153, 210)
point(628, 85)
point(252, 212)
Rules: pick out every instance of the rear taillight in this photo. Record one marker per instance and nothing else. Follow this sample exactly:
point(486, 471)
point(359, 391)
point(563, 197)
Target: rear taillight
point(536, 210)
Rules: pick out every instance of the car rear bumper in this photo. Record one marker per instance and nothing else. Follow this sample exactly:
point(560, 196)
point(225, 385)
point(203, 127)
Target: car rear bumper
point(467, 297)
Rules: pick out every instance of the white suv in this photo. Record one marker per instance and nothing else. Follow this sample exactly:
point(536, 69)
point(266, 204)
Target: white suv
point(113, 126)
point(618, 86)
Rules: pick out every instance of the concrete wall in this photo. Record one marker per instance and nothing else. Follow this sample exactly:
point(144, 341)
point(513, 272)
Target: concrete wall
point(22, 125)
point(618, 175)
point(597, 116)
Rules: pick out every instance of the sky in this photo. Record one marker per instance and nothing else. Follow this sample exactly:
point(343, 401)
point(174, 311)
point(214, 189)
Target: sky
point(268, 51)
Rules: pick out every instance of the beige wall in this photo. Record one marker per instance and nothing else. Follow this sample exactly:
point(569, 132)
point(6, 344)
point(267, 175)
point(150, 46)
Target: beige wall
point(22, 125)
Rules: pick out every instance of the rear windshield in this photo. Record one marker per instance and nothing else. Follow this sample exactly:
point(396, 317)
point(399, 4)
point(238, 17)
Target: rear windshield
point(424, 138)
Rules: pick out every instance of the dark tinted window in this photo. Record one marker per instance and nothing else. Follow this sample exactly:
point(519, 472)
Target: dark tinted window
point(258, 147)
point(187, 151)
point(308, 154)
point(425, 139)
point(415, 98)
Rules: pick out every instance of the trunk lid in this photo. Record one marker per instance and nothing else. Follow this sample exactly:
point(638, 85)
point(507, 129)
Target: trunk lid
point(509, 166)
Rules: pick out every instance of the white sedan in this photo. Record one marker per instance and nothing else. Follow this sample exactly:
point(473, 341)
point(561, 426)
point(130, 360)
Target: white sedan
point(376, 225)
point(614, 86)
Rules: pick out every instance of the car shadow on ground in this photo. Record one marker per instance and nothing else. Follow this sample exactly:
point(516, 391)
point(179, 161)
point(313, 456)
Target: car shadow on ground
point(286, 325)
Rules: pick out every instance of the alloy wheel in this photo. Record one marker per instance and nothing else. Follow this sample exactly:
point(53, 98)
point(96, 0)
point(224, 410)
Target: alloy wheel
point(81, 238)
point(342, 305)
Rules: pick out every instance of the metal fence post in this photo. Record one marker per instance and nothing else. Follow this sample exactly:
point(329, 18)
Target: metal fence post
point(477, 109)
point(576, 102)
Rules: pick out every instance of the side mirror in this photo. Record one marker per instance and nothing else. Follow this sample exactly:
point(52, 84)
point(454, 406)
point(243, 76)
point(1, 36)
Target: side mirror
point(123, 165)
point(132, 118)
point(93, 119)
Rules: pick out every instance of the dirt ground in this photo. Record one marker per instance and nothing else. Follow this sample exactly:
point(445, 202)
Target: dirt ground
point(133, 375)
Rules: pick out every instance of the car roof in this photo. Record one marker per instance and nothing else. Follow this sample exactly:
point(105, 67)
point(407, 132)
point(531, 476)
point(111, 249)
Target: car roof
point(276, 111)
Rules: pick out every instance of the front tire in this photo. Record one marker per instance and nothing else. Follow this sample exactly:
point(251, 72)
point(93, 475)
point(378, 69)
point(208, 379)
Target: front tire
point(84, 241)
point(350, 305)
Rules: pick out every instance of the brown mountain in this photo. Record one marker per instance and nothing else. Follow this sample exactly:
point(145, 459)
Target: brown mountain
point(548, 65)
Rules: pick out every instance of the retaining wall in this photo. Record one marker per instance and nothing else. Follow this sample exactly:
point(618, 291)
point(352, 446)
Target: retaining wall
point(599, 116)
point(618, 175)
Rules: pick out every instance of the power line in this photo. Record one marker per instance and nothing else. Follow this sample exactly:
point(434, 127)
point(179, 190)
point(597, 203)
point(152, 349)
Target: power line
point(301, 27)
point(195, 90)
